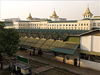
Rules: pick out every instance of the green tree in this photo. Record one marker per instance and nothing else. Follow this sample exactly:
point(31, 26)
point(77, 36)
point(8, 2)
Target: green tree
point(12, 41)
point(2, 40)
point(9, 41)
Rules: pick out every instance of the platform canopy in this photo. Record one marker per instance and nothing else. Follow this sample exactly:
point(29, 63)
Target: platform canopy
point(51, 45)
point(66, 51)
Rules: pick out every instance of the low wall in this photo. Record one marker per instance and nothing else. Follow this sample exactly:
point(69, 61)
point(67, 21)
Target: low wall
point(83, 63)
point(90, 64)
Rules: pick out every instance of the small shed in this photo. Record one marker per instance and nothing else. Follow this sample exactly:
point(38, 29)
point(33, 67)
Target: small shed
point(23, 68)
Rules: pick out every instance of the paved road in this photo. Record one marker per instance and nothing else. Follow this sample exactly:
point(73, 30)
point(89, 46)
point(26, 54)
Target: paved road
point(79, 70)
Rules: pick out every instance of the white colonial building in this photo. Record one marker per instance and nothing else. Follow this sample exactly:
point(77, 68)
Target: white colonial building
point(87, 23)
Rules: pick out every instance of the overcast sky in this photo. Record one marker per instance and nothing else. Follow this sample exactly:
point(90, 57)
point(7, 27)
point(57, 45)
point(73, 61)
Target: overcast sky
point(43, 9)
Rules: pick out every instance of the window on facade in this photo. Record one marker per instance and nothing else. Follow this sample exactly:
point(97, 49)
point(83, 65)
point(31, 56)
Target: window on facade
point(69, 25)
point(88, 15)
point(60, 24)
point(94, 24)
point(63, 24)
point(98, 24)
point(81, 24)
point(66, 24)
point(87, 24)
point(75, 24)
point(84, 24)
point(72, 25)
point(75, 28)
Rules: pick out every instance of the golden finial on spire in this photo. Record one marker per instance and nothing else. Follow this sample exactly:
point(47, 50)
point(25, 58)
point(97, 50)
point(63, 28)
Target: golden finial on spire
point(29, 17)
point(54, 15)
point(88, 11)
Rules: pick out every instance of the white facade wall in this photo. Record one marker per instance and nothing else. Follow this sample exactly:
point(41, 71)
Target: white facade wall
point(16, 25)
point(85, 43)
point(95, 43)
point(34, 25)
point(62, 26)
point(84, 24)
point(55, 19)
point(96, 22)
point(90, 43)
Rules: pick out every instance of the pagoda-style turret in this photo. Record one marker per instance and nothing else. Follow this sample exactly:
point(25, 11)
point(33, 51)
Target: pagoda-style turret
point(54, 16)
point(29, 17)
point(87, 13)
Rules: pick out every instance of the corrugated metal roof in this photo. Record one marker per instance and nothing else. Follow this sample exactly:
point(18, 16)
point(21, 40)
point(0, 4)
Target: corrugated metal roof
point(39, 43)
point(57, 46)
point(23, 66)
point(65, 51)
point(30, 42)
point(62, 31)
point(22, 40)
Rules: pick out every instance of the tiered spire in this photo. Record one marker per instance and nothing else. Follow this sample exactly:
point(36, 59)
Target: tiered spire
point(87, 13)
point(29, 17)
point(54, 15)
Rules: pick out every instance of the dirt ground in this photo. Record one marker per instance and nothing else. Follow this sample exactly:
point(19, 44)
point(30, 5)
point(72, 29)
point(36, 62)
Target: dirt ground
point(57, 71)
